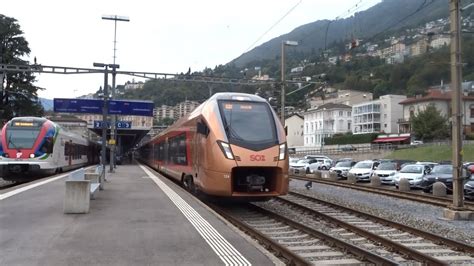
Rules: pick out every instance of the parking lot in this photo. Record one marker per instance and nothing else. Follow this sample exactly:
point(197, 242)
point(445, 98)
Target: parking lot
point(420, 175)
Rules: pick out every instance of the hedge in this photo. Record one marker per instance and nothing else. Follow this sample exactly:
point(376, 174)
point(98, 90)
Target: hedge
point(350, 139)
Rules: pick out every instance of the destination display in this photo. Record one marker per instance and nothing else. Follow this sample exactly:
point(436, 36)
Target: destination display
point(143, 108)
point(89, 106)
point(93, 106)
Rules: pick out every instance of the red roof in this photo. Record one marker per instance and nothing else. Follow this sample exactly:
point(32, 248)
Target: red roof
point(393, 139)
point(435, 95)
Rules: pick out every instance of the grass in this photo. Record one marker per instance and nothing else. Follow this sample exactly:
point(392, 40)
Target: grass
point(434, 153)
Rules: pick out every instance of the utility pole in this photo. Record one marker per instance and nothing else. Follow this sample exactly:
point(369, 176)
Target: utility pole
point(104, 120)
point(456, 103)
point(113, 128)
point(456, 211)
point(283, 81)
point(282, 114)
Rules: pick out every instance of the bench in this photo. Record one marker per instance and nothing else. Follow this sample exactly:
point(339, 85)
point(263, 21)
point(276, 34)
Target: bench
point(80, 189)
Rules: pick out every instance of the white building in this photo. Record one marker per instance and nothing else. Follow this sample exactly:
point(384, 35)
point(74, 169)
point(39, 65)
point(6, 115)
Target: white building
point(295, 129)
point(347, 97)
point(381, 115)
point(164, 111)
point(184, 108)
point(133, 85)
point(442, 101)
point(325, 121)
point(440, 42)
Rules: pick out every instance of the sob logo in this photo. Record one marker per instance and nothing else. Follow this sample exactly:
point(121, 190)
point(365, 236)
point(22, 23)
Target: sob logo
point(257, 157)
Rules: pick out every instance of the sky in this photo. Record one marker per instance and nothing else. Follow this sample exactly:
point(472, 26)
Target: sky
point(161, 36)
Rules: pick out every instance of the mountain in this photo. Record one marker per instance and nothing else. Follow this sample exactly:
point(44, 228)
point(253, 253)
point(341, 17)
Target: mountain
point(383, 18)
point(46, 103)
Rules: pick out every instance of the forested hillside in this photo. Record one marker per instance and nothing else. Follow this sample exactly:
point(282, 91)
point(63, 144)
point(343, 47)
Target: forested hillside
point(364, 73)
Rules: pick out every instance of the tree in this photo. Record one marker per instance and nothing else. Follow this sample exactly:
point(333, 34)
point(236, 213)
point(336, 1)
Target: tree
point(19, 97)
point(429, 124)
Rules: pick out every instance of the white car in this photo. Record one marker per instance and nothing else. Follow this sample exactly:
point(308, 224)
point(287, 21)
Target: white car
point(303, 166)
point(413, 172)
point(416, 142)
point(386, 171)
point(293, 161)
point(363, 170)
point(342, 168)
point(321, 164)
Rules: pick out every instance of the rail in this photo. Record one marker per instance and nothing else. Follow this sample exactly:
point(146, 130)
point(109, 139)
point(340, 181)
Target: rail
point(289, 255)
point(424, 198)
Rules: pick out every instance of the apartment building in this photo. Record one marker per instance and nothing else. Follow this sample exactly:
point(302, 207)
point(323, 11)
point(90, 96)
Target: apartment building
point(184, 108)
point(324, 121)
point(164, 111)
point(377, 116)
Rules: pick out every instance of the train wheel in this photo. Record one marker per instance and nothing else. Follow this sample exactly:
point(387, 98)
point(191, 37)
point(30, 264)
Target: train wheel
point(188, 183)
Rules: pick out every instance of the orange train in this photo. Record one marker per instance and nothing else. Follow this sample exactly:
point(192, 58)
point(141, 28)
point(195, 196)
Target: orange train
point(232, 145)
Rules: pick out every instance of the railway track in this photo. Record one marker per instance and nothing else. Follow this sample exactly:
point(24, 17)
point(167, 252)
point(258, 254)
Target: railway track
point(373, 233)
point(423, 198)
point(294, 242)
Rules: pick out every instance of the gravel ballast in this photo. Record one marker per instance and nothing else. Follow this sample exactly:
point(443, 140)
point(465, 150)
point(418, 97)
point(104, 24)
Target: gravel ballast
point(422, 216)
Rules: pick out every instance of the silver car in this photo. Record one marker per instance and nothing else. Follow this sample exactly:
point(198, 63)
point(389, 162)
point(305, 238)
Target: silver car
point(414, 173)
point(386, 171)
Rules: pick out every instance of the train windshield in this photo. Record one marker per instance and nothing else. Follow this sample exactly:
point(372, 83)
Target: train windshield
point(21, 137)
point(249, 124)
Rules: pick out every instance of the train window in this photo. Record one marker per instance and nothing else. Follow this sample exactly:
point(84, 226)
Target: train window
point(248, 124)
point(202, 128)
point(177, 150)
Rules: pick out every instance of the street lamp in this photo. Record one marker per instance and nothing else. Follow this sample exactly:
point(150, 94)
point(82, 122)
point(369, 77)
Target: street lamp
point(113, 128)
point(283, 44)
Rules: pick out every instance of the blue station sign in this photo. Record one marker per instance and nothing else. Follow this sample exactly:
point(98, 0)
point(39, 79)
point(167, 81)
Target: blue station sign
point(89, 106)
point(93, 106)
point(119, 107)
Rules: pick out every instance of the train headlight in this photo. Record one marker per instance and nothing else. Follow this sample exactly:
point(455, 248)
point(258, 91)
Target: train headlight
point(225, 147)
point(282, 151)
point(32, 155)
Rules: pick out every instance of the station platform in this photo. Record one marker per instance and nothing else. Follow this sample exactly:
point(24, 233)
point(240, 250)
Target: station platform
point(140, 218)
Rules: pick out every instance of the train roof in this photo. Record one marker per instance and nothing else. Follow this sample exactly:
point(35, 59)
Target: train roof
point(236, 96)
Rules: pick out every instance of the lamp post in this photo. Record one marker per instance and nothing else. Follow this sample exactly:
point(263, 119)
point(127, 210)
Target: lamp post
point(113, 128)
point(283, 44)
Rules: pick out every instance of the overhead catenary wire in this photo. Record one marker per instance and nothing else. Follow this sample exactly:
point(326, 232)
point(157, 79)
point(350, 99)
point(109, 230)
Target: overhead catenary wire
point(274, 25)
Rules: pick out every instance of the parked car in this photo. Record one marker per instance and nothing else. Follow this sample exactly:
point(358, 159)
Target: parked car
point(341, 160)
point(363, 170)
point(303, 166)
point(386, 171)
point(469, 188)
point(321, 164)
point(430, 164)
point(342, 168)
point(293, 161)
point(347, 148)
point(442, 173)
point(416, 142)
point(413, 172)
